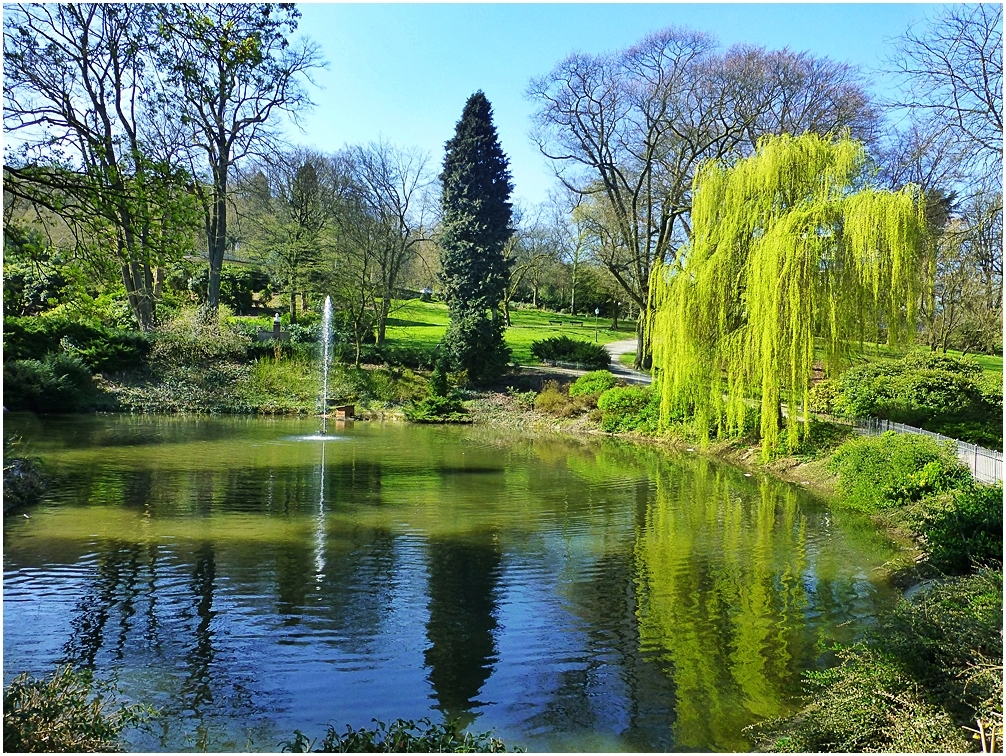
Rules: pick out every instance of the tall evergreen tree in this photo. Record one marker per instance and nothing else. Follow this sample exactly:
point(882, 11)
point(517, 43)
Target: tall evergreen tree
point(475, 227)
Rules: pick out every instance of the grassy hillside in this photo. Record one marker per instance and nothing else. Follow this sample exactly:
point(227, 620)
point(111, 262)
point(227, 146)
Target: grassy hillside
point(423, 324)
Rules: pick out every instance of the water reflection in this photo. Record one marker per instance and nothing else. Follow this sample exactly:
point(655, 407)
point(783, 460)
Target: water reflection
point(463, 579)
point(574, 595)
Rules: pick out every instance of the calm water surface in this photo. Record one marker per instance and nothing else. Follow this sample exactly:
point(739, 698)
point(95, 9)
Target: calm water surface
point(571, 595)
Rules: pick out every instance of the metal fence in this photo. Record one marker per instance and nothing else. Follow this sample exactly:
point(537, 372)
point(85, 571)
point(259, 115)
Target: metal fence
point(986, 465)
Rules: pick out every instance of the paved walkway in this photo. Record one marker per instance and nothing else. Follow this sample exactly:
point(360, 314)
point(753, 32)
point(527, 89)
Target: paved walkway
point(616, 348)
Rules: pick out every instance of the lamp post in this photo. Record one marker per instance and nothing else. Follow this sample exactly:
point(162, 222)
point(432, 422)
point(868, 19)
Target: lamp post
point(597, 311)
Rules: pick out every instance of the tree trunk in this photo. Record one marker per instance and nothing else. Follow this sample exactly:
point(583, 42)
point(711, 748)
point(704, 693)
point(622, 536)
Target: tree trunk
point(506, 312)
point(158, 283)
point(218, 230)
point(382, 319)
point(293, 306)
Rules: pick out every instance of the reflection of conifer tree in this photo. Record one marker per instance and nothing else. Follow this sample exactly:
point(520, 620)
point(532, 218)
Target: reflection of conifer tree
point(462, 588)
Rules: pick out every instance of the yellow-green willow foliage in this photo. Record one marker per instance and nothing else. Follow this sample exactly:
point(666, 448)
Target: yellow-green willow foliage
point(787, 245)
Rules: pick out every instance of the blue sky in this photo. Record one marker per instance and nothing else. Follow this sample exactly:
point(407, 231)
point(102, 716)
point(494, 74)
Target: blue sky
point(403, 72)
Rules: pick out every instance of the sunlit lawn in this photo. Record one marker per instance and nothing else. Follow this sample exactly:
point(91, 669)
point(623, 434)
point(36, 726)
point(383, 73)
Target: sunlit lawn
point(422, 324)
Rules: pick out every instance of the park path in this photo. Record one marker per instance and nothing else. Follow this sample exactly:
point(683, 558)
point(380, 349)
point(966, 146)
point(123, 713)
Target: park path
point(617, 348)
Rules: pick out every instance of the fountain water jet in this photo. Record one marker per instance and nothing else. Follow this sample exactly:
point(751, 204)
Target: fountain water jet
point(326, 338)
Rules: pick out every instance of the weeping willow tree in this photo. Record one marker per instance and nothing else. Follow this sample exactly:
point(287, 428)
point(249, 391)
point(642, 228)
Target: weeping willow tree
point(789, 247)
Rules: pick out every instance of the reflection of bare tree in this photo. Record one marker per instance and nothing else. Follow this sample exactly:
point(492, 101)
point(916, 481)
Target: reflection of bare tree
point(112, 593)
point(464, 574)
point(196, 690)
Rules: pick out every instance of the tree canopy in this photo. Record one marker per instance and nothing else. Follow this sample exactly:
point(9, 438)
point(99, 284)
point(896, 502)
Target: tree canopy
point(789, 246)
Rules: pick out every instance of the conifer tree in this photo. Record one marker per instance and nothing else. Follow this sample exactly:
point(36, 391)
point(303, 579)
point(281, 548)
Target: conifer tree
point(475, 227)
point(789, 251)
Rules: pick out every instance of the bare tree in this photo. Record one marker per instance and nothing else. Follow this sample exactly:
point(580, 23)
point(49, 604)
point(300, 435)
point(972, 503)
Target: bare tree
point(77, 97)
point(951, 73)
point(392, 183)
point(232, 71)
point(630, 129)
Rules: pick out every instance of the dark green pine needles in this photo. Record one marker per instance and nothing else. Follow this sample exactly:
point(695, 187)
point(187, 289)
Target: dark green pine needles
point(475, 226)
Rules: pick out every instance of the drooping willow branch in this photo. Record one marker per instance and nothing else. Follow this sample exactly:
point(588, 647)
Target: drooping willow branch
point(788, 246)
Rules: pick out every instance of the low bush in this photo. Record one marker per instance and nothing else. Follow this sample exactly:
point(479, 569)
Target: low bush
point(565, 349)
point(938, 392)
point(102, 350)
point(191, 340)
point(595, 382)
point(555, 399)
point(64, 712)
point(628, 408)
point(57, 383)
point(400, 736)
point(930, 669)
point(962, 528)
point(24, 478)
point(871, 470)
point(437, 409)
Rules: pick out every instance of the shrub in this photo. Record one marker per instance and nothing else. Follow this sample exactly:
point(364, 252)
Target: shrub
point(24, 479)
point(963, 529)
point(938, 392)
point(190, 340)
point(930, 668)
point(627, 408)
point(555, 399)
point(871, 470)
point(100, 349)
point(400, 736)
point(867, 703)
point(437, 409)
point(58, 383)
point(565, 349)
point(64, 713)
point(595, 382)
point(822, 397)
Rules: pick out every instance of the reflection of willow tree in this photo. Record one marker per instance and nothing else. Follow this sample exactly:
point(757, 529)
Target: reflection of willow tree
point(463, 577)
point(721, 599)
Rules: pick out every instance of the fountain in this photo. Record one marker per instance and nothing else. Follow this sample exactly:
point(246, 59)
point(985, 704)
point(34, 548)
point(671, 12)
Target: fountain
point(326, 338)
point(326, 343)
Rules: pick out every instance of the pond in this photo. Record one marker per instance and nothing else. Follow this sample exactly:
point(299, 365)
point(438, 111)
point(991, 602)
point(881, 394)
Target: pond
point(571, 594)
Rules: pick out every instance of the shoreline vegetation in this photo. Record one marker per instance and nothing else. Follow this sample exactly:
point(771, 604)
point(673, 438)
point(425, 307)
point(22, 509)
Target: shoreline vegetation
point(942, 666)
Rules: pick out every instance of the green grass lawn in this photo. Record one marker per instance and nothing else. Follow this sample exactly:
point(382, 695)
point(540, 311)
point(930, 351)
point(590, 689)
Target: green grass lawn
point(422, 324)
point(990, 363)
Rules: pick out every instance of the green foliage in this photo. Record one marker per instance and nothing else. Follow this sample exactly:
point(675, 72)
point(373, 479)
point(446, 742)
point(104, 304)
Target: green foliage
point(24, 478)
point(959, 521)
point(190, 340)
point(475, 226)
point(874, 472)
point(565, 349)
point(437, 409)
point(867, 703)
point(438, 378)
point(101, 349)
point(628, 408)
point(475, 344)
point(400, 736)
point(556, 399)
point(822, 397)
point(58, 383)
point(963, 527)
point(931, 667)
point(65, 712)
point(786, 248)
point(942, 393)
point(238, 286)
point(594, 382)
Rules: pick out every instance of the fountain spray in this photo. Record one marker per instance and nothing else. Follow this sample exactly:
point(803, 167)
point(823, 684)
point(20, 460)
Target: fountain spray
point(326, 338)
